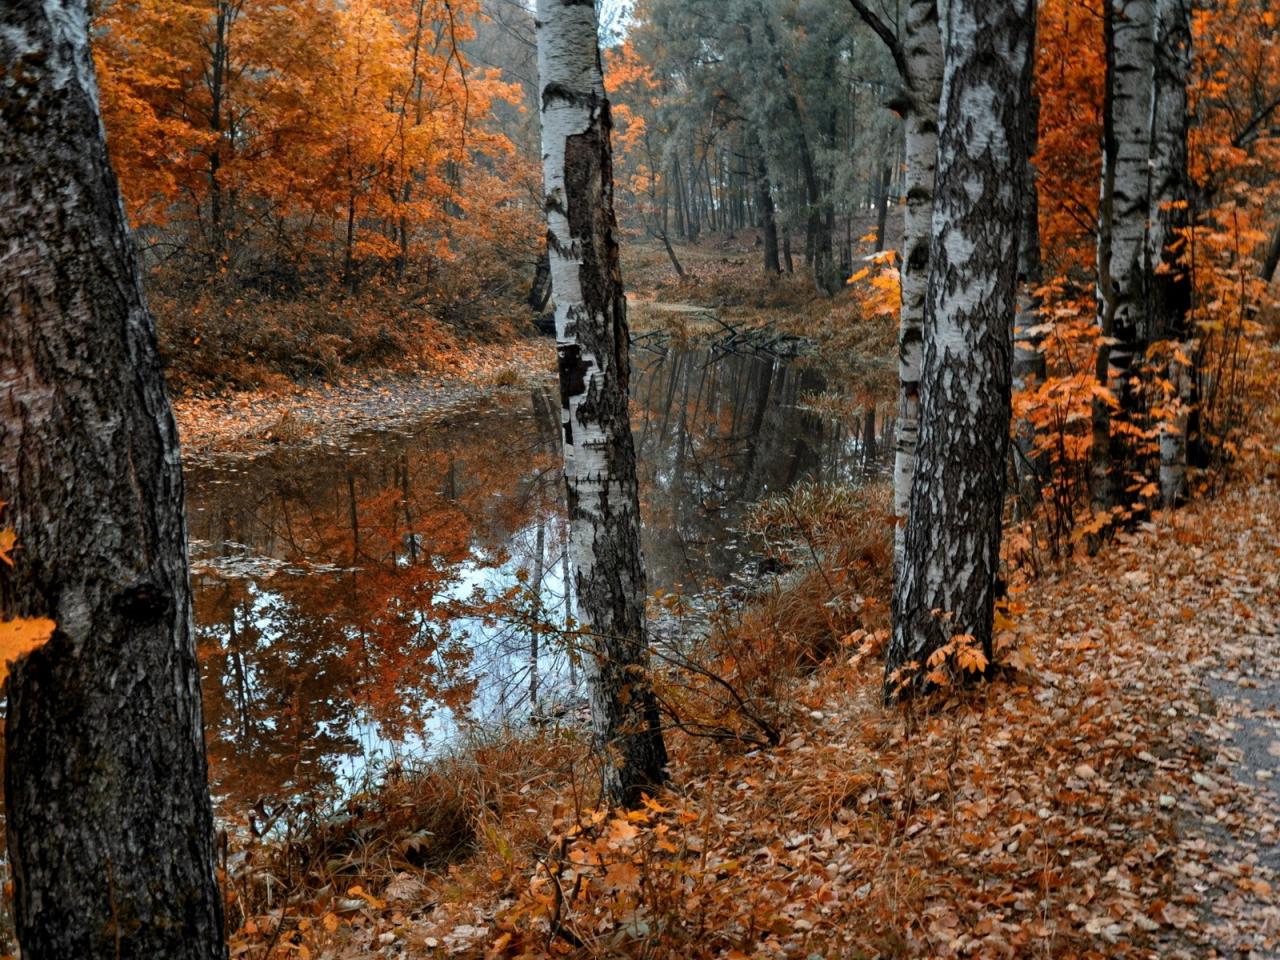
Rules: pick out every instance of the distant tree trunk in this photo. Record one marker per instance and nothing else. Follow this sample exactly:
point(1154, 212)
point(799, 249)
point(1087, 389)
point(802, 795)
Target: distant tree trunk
point(671, 255)
point(566, 580)
point(540, 289)
point(219, 54)
point(947, 582)
point(692, 216)
point(787, 261)
point(1272, 257)
point(110, 829)
point(713, 217)
point(1124, 281)
point(882, 206)
point(592, 343)
point(764, 204)
point(681, 230)
point(348, 247)
point(1171, 291)
point(868, 438)
point(1028, 356)
point(818, 248)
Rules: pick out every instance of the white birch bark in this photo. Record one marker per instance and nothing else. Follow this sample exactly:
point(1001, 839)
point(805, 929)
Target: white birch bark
point(1123, 268)
point(592, 343)
point(1131, 106)
point(946, 583)
point(1171, 292)
point(923, 56)
point(1028, 356)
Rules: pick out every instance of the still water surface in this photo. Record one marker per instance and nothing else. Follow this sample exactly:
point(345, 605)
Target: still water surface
point(366, 601)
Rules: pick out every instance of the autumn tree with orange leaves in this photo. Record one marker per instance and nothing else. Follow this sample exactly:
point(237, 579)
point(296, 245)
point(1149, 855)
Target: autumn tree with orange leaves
point(312, 149)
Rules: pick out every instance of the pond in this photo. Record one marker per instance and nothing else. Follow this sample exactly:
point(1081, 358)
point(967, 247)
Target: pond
point(366, 601)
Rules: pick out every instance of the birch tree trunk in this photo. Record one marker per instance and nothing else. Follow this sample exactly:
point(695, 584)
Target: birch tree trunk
point(1171, 290)
point(1028, 357)
point(592, 343)
point(923, 49)
point(1123, 268)
point(918, 57)
point(109, 824)
point(947, 580)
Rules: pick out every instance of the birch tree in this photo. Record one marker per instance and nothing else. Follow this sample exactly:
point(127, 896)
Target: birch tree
point(1170, 301)
point(1028, 357)
point(592, 344)
point(918, 57)
point(110, 829)
point(947, 580)
point(1123, 267)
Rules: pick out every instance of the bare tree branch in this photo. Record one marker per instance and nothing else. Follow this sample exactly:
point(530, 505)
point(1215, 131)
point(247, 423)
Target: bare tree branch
point(889, 37)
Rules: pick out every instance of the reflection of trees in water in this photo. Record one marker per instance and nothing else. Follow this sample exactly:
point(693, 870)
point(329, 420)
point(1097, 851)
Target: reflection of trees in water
point(343, 593)
point(713, 436)
point(338, 589)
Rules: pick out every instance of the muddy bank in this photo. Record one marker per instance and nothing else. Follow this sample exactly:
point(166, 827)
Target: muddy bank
point(248, 423)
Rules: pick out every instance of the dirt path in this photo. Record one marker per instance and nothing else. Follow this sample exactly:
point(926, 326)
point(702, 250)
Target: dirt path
point(1203, 591)
point(1242, 673)
point(247, 423)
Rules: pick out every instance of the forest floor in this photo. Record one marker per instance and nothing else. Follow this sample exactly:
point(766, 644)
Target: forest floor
point(1112, 797)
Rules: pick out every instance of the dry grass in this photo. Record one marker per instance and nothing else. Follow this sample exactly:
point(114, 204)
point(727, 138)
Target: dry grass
point(402, 832)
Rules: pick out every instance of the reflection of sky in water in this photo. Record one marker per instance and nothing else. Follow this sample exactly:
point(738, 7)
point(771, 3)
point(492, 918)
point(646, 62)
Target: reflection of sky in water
point(338, 589)
point(501, 666)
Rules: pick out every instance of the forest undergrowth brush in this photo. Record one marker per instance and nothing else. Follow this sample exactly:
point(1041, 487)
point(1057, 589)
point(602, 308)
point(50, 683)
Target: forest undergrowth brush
point(308, 866)
point(234, 337)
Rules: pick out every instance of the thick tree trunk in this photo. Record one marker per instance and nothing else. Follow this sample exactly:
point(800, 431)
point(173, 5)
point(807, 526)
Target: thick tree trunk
point(592, 342)
point(947, 582)
point(1171, 280)
point(1123, 269)
point(1101, 494)
point(918, 57)
point(110, 830)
